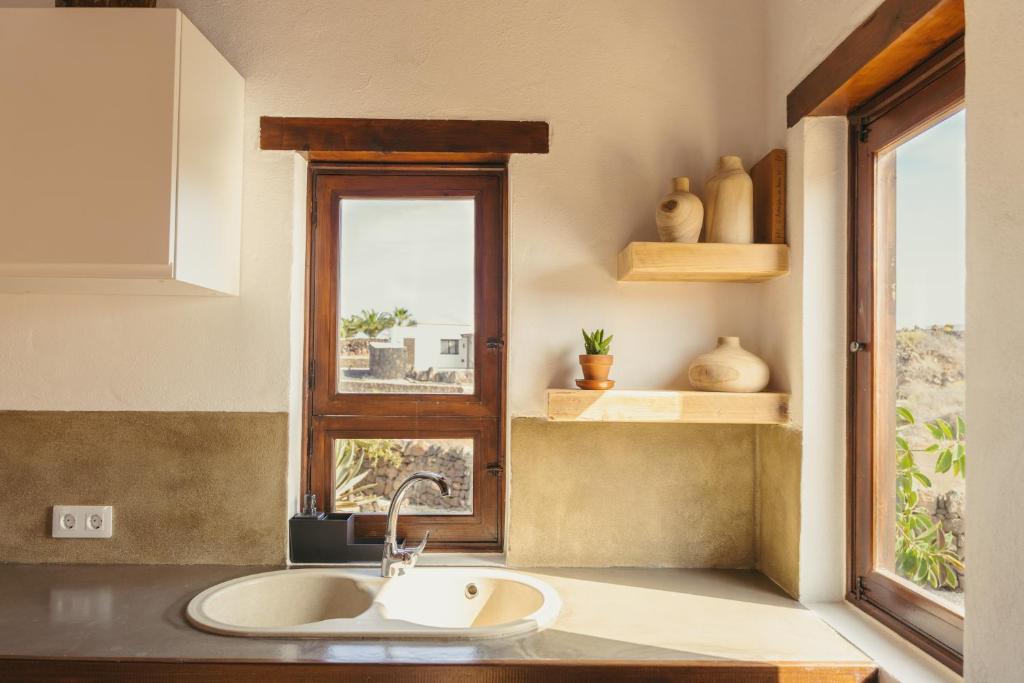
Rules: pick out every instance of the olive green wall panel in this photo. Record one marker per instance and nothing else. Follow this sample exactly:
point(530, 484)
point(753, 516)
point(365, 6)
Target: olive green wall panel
point(779, 461)
point(186, 487)
point(625, 494)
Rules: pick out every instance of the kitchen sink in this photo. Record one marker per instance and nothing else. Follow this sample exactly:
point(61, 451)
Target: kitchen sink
point(428, 602)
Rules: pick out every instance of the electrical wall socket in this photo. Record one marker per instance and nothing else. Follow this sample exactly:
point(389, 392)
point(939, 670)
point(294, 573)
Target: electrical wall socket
point(83, 521)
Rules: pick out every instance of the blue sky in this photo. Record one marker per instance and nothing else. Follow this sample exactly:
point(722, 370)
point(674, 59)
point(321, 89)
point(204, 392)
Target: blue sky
point(930, 226)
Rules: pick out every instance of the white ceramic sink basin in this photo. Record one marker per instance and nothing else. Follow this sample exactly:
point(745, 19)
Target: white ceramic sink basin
point(428, 602)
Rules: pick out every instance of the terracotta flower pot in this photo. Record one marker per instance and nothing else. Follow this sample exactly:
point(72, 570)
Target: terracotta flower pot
point(596, 367)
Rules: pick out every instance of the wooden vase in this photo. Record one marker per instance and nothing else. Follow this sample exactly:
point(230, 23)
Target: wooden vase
point(729, 205)
point(729, 367)
point(680, 214)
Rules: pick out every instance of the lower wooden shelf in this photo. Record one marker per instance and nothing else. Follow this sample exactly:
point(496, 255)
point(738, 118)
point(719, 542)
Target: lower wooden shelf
point(624, 405)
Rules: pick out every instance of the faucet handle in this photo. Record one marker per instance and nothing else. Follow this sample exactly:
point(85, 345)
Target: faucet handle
point(406, 558)
point(423, 544)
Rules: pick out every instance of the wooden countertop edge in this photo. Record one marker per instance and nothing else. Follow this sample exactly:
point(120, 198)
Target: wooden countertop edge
point(496, 671)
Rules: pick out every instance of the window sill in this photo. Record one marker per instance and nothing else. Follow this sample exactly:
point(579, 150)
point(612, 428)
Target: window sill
point(430, 560)
point(898, 660)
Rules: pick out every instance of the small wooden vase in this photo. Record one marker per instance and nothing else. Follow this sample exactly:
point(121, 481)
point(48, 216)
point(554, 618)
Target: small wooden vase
point(729, 367)
point(595, 372)
point(680, 214)
point(729, 205)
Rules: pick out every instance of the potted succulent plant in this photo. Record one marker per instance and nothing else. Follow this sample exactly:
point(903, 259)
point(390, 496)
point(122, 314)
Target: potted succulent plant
point(596, 362)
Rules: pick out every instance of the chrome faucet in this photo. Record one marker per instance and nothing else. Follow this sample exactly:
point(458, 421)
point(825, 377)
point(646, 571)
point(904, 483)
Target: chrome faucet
point(398, 560)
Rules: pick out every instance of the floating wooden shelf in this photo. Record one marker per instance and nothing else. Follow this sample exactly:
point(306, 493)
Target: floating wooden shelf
point(702, 262)
point(571, 405)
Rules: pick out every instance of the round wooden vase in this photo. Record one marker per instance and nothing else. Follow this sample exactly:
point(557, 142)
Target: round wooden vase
point(729, 205)
point(595, 371)
point(729, 367)
point(680, 214)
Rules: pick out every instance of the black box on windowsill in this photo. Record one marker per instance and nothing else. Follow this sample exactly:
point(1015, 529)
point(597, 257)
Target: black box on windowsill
point(329, 538)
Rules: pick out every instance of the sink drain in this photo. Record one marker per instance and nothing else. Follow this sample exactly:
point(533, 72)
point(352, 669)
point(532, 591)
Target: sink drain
point(471, 590)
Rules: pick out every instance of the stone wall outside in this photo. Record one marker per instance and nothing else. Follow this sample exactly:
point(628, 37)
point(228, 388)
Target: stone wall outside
point(448, 457)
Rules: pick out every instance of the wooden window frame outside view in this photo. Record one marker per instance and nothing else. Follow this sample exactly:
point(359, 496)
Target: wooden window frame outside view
point(928, 94)
point(480, 415)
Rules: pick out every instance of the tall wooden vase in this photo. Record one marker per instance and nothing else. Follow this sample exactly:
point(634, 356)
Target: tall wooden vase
point(729, 205)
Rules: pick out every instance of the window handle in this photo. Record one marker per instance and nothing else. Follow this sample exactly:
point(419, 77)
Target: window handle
point(856, 346)
point(495, 342)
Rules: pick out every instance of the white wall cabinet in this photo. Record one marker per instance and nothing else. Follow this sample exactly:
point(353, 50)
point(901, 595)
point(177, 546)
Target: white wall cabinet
point(120, 154)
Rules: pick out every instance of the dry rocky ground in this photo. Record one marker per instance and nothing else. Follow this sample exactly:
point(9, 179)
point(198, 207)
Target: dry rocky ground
point(930, 382)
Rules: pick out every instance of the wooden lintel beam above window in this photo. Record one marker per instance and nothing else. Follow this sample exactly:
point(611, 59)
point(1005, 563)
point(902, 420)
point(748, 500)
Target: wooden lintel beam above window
point(407, 157)
point(899, 35)
point(104, 3)
point(407, 136)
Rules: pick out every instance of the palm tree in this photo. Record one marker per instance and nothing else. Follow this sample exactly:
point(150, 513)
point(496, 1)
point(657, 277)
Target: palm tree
point(402, 317)
point(350, 327)
point(374, 324)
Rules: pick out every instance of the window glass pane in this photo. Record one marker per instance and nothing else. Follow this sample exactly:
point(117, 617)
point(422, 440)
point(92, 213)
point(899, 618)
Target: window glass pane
point(406, 287)
point(368, 471)
point(928, 547)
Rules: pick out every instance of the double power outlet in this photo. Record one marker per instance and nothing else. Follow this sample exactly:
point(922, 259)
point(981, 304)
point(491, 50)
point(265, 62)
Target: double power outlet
point(83, 521)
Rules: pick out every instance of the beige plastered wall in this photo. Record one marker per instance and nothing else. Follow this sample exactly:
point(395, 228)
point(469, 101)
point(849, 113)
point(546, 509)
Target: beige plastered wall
point(803, 316)
point(634, 95)
point(995, 326)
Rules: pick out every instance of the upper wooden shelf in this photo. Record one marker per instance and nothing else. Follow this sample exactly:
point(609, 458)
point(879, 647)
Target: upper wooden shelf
point(709, 407)
point(702, 262)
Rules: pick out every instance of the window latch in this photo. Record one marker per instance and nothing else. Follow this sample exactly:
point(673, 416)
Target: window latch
point(495, 468)
point(864, 129)
point(856, 346)
point(495, 343)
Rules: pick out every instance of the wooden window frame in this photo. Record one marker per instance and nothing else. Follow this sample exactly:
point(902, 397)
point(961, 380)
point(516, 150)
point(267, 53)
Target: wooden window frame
point(924, 96)
point(480, 415)
point(897, 36)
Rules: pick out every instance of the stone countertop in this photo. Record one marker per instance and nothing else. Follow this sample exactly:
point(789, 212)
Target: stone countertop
point(132, 611)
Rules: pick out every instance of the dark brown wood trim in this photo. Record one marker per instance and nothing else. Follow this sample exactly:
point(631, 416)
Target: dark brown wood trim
point(920, 98)
point(949, 58)
point(104, 3)
point(899, 599)
point(538, 671)
point(471, 158)
point(479, 532)
point(487, 185)
point(480, 416)
point(920, 639)
point(307, 350)
point(403, 135)
point(898, 36)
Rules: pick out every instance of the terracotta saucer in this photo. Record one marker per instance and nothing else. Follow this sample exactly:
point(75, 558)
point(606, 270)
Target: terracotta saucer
point(595, 384)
